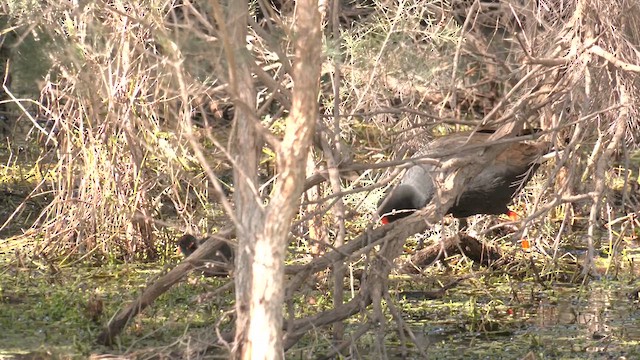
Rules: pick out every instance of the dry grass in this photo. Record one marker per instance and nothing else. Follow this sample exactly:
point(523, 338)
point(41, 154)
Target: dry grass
point(139, 102)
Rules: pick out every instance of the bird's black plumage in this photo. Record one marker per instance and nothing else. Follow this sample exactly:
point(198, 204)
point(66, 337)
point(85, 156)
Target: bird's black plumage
point(488, 193)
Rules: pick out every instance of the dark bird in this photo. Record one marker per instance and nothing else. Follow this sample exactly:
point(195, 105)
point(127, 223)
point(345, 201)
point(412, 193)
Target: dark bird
point(488, 193)
point(217, 264)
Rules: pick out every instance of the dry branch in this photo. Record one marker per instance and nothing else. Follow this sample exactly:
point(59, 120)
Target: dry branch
point(459, 244)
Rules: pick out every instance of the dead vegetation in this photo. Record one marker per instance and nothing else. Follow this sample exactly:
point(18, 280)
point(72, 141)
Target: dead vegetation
point(145, 131)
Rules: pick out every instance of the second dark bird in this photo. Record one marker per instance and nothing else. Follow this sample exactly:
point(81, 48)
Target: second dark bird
point(217, 264)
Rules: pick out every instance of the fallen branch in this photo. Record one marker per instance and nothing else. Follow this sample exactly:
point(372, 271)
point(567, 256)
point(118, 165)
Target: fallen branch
point(459, 244)
point(159, 287)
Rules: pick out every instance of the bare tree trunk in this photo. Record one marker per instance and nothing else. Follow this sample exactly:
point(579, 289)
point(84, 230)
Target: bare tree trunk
point(245, 143)
point(263, 232)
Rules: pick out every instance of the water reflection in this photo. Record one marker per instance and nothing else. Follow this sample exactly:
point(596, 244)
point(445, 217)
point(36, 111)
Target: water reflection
point(562, 322)
point(601, 313)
